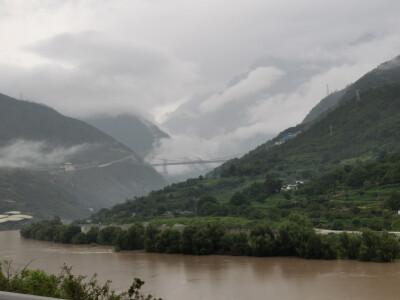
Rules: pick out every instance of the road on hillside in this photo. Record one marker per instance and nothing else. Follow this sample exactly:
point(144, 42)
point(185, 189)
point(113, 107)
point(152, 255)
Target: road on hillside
point(78, 168)
point(328, 231)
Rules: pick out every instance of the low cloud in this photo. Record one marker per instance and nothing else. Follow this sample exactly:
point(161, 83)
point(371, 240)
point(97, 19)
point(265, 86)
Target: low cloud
point(239, 126)
point(256, 82)
point(101, 74)
point(33, 154)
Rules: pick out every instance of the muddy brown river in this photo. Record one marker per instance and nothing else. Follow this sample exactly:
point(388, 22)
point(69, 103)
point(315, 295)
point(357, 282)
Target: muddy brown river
point(183, 277)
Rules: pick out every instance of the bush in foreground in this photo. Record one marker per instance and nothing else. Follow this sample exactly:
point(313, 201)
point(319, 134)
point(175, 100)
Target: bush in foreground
point(64, 285)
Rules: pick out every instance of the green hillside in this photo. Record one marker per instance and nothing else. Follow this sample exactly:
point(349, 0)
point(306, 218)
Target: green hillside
point(32, 193)
point(354, 135)
point(360, 128)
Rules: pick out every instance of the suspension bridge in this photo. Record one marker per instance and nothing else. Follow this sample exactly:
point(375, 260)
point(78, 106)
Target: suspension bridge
point(165, 162)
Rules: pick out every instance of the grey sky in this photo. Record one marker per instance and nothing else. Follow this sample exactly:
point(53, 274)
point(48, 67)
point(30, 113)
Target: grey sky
point(219, 76)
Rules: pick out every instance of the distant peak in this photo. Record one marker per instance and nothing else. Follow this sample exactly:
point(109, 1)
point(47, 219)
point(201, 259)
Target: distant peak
point(391, 64)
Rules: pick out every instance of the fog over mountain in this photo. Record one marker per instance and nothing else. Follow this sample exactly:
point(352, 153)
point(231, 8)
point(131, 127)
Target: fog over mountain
point(218, 77)
point(135, 132)
point(34, 154)
point(251, 109)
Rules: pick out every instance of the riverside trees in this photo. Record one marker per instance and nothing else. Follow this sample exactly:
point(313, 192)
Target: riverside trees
point(294, 237)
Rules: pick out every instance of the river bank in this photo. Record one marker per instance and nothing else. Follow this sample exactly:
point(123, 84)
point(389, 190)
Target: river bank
point(213, 277)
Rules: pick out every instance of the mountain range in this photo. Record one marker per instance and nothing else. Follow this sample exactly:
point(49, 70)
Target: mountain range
point(359, 124)
point(133, 131)
point(52, 164)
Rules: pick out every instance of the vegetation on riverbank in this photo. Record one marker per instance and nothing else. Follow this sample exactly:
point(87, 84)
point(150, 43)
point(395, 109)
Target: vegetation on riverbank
point(356, 194)
point(65, 285)
point(295, 237)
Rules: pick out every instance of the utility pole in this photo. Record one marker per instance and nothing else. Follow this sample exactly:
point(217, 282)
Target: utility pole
point(358, 98)
point(331, 129)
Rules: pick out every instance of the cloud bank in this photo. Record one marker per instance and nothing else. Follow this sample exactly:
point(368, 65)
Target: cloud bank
point(219, 76)
point(35, 154)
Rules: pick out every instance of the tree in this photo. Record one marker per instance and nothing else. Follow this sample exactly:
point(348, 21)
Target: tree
point(202, 243)
point(389, 247)
point(349, 245)
point(68, 232)
point(79, 239)
point(187, 238)
point(369, 245)
point(239, 243)
point(272, 185)
point(356, 177)
point(135, 236)
point(216, 231)
point(206, 205)
point(150, 237)
point(168, 241)
point(393, 202)
point(262, 241)
point(108, 235)
point(92, 235)
point(238, 199)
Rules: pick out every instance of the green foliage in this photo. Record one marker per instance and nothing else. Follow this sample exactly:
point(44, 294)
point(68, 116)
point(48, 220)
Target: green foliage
point(168, 241)
point(236, 244)
point(295, 237)
point(349, 246)
point(92, 235)
point(393, 202)
point(33, 191)
point(378, 247)
point(238, 199)
point(68, 232)
point(262, 241)
point(109, 235)
point(150, 238)
point(187, 239)
point(65, 285)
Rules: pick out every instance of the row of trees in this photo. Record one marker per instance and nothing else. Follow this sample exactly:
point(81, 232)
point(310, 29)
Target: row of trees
point(295, 237)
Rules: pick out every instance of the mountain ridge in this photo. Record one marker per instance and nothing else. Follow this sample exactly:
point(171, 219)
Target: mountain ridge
point(138, 134)
point(70, 157)
point(355, 129)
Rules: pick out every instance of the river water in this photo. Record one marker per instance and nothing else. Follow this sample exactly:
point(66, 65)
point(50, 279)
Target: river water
point(212, 277)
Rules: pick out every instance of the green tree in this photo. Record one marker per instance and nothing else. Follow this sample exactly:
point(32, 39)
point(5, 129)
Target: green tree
point(237, 199)
point(79, 239)
point(150, 238)
point(262, 240)
point(168, 241)
point(389, 247)
point(202, 242)
point(187, 238)
point(349, 245)
point(393, 202)
point(68, 232)
point(108, 235)
point(135, 237)
point(92, 235)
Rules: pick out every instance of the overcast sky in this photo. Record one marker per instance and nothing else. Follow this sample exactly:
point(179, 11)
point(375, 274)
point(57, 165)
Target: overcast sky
point(220, 76)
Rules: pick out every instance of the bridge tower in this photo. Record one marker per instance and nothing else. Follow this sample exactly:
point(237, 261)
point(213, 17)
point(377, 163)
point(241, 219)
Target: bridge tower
point(165, 170)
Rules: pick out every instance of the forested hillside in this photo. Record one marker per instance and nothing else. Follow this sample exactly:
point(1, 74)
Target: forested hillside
point(356, 136)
